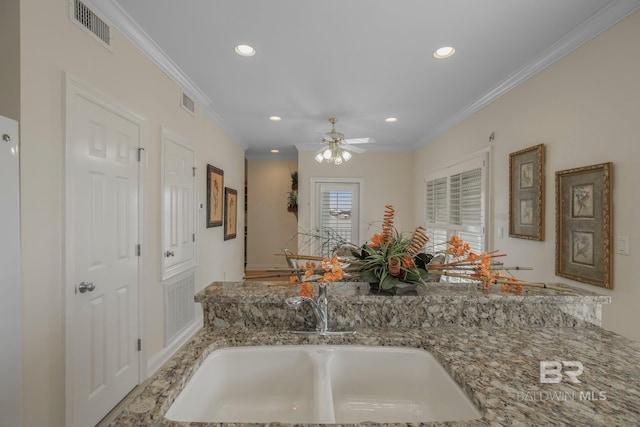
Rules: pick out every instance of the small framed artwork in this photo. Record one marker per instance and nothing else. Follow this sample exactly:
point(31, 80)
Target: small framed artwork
point(526, 193)
point(584, 232)
point(230, 213)
point(215, 184)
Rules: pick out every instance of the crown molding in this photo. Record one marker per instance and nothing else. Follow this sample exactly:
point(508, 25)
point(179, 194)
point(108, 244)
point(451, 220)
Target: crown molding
point(140, 39)
point(599, 22)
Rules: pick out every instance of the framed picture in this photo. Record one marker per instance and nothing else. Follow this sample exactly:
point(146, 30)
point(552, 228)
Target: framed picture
point(215, 184)
point(584, 231)
point(526, 193)
point(230, 213)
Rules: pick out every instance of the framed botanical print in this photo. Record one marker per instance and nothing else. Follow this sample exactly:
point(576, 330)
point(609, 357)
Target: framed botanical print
point(215, 184)
point(230, 213)
point(526, 193)
point(584, 231)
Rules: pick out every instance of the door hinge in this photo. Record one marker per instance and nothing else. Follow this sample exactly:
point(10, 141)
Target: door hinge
point(194, 171)
point(140, 150)
point(138, 249)
point(139, 344)
point(193, 237)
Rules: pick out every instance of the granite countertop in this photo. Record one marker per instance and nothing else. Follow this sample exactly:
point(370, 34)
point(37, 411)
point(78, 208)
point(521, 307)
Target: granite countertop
point(498, 368)
point(261, 304)
point(490, 342)
point(436, 292)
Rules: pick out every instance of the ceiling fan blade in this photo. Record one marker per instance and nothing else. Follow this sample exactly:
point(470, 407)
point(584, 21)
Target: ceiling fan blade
point(360, 141)
point(353, 148)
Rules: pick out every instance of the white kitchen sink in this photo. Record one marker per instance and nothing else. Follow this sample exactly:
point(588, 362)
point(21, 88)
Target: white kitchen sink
point(321, 384)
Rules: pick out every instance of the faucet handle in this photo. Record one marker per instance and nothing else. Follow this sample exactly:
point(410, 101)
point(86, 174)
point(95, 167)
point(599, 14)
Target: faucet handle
point(294, 302)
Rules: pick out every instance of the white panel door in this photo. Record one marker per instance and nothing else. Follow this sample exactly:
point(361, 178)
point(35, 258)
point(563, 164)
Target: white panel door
point(179, 249)
point(11, 300)
point(336, 214)
point(102, 222)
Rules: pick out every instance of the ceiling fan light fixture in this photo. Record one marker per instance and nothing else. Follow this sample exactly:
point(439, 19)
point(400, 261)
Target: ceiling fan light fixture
point(391, 119)
point(275, 118)
point(444, 52)
point(245, 50)
point(338, 149)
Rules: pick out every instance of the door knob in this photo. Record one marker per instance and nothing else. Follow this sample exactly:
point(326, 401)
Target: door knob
point(86, 287)
point(169, 253)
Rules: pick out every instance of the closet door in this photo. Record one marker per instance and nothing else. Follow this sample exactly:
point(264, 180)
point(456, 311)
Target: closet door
point(178, 214)
point(11, 300)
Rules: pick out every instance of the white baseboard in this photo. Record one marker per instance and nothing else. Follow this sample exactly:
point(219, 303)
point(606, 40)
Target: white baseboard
point(166, 353)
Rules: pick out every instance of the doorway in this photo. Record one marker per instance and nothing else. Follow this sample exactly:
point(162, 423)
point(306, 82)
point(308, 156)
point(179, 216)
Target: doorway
point(103, 194)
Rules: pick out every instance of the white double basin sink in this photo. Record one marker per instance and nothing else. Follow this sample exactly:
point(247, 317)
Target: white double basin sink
point(321, 384)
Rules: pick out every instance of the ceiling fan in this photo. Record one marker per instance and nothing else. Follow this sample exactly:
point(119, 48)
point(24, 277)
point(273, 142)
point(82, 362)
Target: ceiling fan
point(339, 149)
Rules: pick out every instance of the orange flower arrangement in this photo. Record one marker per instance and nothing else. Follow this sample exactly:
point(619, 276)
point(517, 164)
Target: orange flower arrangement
point(480, 266)
point(397, 263)
point(331, 272)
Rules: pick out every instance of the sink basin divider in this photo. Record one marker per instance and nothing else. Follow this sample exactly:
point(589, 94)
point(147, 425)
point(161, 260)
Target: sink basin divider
point(323, 394)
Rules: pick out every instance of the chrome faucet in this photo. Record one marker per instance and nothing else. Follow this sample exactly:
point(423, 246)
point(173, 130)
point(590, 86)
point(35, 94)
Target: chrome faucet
point(319, 308)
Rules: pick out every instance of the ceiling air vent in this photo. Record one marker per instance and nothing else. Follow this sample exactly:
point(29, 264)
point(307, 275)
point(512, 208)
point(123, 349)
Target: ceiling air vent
point(88, 20)
point(188, 104)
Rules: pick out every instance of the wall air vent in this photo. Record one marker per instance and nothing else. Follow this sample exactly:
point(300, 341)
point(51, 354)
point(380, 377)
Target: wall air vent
point(188, 104)
point(89, 20)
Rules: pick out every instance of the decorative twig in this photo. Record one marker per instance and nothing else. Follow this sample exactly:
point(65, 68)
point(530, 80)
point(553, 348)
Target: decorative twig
point(473, 267)
point(509, 282)
point(463, 262)
point(319, 258)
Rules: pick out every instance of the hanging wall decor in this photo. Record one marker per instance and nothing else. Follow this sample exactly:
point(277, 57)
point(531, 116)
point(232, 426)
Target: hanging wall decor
point(230, 213)
point(526, 193)
point(215, 184)
point(584, 227)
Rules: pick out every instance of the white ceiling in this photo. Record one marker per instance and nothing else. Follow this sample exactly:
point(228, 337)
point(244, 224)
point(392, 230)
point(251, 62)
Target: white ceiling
point(359, 60)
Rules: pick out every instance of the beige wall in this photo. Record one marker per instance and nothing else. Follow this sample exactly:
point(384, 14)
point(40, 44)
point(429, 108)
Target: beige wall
point(50, 46)
point(388, 179)
point(585, 110)
point(10, 58)
point(270, 227)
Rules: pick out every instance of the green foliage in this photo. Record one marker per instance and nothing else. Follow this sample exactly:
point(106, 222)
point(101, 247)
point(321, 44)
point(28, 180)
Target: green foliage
point(375, 265)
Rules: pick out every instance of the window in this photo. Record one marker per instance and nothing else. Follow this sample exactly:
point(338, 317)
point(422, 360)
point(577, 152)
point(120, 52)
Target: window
point(336, 214)
point(455, 205)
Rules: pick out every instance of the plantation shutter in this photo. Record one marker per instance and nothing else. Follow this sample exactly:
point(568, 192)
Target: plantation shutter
point(437, 216)
point(338, 215)
point(336, 212)
point(455, 205)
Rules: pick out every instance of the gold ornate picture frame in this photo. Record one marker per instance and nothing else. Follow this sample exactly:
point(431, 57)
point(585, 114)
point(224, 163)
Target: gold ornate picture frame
point(526, 193)
point(230, 213)
point(584, 228)
point(215, 201)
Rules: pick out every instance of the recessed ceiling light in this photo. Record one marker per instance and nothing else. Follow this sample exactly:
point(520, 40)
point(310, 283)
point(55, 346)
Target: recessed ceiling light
point(245, 50)
point(444, 52)
point(275, 118)
point(275, 151)
point(391, 119)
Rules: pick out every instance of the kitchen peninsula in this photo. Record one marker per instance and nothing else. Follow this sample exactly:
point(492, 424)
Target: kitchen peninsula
point(491, 343)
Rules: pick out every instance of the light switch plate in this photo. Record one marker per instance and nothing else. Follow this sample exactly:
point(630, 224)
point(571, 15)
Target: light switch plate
point(622, 245)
